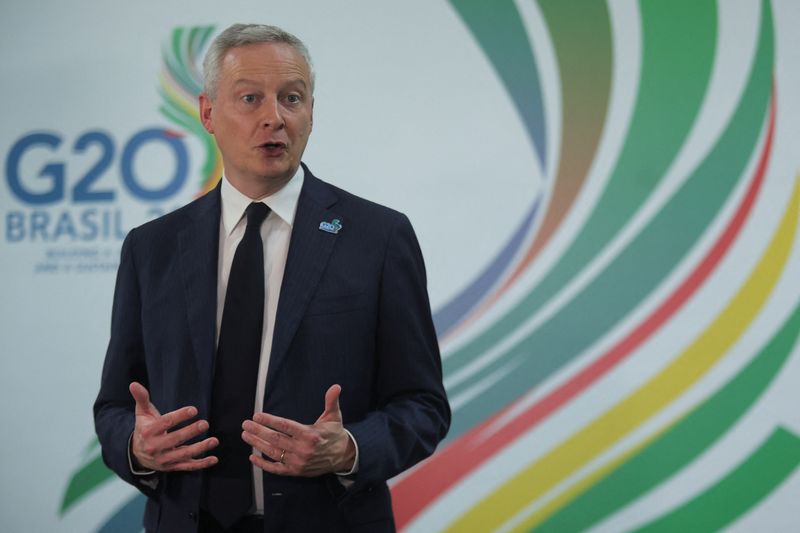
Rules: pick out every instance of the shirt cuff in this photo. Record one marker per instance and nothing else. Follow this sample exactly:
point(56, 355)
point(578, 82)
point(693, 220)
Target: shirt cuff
point(137, 472)
point(355, 461)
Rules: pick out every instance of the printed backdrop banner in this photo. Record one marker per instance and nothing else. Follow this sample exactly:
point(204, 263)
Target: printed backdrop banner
point(607, 195)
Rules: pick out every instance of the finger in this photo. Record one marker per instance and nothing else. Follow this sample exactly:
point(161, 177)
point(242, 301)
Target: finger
point(269, 435)
point(179, 436)
point(167, 421)
point(187, 453)
point(332, 410)
point(280, 469)
point(194, 464)
point(142, 398)
point(265, 447)
point(277, 423)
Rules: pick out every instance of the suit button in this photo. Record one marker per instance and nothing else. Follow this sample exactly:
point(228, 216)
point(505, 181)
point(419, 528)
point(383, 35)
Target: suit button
point(193, 516)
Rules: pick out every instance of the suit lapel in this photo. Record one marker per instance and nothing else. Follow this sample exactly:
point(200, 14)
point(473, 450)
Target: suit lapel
point(199, 244)
point(309, 251)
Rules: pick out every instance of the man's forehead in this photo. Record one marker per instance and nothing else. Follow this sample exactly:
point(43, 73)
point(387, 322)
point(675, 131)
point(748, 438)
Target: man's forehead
point(245, 81)
point(265, 55)
point(256, 63)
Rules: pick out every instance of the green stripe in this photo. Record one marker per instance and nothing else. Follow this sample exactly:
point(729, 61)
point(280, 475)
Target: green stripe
point(175, 58)
point(737, 492)
point(175, 68)
point(85, 481)
point(675, 73)
point(681, 444)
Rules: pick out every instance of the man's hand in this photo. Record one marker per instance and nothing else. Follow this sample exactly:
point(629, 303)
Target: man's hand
point(298, 449)
point(155, 447)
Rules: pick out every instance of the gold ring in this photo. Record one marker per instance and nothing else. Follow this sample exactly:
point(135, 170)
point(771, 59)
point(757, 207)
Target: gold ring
point(282, 454)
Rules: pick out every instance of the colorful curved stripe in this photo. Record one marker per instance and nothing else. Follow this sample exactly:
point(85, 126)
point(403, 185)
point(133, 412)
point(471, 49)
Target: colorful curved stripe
point(737, 492)
point(678, 446)
point(581, 35)
point(674, 78)
point(457, 307)
point(584, 446)
point(421, 486)
point(498, 29)
point(180, 83)
point(86, 478)
point(637, 270)
point(675, 448)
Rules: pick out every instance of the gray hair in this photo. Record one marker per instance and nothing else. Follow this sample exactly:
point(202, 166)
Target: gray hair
point(241, 35)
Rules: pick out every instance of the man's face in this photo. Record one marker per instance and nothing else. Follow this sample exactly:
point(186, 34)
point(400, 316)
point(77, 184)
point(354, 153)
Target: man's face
point(262, 115)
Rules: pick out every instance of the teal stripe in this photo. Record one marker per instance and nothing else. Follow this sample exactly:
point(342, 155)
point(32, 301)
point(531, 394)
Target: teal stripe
point(499, 30)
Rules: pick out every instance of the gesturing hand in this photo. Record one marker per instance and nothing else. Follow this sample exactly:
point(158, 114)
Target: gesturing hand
point(298, 449)
point(155, 447)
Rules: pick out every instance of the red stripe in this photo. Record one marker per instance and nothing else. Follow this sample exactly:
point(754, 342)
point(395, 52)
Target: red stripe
point(420, 487)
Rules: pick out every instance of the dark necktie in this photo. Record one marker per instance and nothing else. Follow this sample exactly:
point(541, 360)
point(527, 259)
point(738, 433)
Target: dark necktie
point(229, 484)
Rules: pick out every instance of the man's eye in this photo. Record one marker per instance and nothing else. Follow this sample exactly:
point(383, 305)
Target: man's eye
point(249, 98)
point(293, 98)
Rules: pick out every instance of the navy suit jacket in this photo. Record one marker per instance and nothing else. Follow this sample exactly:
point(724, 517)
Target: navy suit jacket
point(353, 310)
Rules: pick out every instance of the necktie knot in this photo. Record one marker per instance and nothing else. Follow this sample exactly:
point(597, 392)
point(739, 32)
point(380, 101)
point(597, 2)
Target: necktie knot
point(256, 213)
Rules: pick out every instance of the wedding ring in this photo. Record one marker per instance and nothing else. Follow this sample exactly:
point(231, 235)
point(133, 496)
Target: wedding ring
point(282, 454)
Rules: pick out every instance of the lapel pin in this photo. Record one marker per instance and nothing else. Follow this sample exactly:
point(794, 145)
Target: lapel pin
point(331, 227)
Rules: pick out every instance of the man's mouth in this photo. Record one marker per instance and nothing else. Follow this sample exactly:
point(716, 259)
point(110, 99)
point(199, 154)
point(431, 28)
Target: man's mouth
point(273, 148)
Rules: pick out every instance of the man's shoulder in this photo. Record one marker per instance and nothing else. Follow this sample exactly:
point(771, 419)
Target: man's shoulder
point(358, 208)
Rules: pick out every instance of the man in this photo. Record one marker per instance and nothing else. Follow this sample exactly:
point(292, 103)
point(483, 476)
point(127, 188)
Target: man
point(323, 379)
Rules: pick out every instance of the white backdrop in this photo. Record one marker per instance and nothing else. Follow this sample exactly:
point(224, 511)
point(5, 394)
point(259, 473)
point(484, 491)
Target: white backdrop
point(409, 112)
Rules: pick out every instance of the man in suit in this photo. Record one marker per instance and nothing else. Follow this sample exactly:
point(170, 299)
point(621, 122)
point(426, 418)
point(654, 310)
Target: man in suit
point(272, 359)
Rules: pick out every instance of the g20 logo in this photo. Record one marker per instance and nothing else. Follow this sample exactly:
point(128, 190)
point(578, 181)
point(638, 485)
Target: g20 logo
point(85, 188)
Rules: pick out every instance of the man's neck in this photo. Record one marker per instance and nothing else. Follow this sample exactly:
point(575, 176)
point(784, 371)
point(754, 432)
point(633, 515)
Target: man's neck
point(260, 188)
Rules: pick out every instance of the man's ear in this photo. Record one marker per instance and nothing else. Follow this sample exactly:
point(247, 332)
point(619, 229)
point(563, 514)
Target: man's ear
point(312, 113)
point(205, 112)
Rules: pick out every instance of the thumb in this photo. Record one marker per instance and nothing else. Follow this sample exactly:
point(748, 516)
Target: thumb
point(142, 399)
point(332, 410)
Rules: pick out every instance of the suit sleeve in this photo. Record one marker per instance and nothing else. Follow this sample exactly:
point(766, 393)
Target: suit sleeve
point(114, 407)
point(412, 413)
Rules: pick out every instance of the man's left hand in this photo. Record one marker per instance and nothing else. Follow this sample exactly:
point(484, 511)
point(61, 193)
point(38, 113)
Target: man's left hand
point(299, 449)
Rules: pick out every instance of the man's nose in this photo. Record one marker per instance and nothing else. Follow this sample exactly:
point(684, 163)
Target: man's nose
point(271, 116)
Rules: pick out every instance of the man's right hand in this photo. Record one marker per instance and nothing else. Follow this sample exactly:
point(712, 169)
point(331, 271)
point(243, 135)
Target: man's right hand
point(155, 447)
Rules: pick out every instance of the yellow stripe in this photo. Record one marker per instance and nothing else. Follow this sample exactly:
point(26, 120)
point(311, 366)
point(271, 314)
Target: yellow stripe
point(568, 495)
point(561, 462)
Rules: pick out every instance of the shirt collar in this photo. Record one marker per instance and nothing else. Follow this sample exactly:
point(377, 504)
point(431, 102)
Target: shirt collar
point(283, 202)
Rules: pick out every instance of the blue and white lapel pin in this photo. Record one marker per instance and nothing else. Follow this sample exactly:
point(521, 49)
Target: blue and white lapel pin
point(331, 227)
